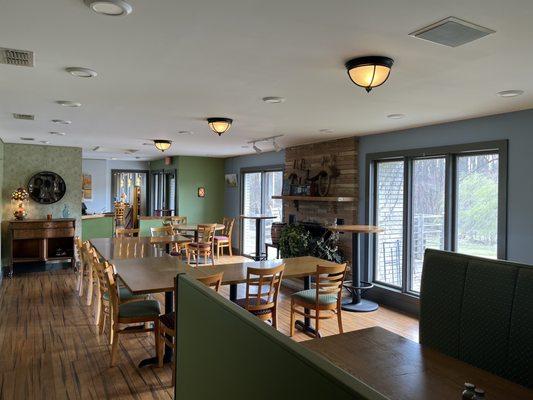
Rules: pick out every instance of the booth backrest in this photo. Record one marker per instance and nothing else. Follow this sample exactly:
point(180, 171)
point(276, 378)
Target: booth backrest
point(224, 352)
point(101, 227)
point(479, 311)
point(145, 223)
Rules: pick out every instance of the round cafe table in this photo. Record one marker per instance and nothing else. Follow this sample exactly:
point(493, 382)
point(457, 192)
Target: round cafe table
point(356, 303)
point(258, 219)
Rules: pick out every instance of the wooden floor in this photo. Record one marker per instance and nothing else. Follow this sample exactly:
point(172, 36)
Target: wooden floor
point(49, 348)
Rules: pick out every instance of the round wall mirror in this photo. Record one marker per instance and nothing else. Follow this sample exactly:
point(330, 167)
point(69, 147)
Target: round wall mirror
point(46, 187)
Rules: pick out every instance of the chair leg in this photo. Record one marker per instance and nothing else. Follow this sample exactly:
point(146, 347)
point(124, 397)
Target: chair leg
point(275, 318)
point(291, 328)
point(90, 284)
point(101, 324)
point(111, 330)
point(339, 318)
point(317, 324)
point(160, 350)
point(98, 308)
point(79, 284)
point(157, 342)
point(230, 249)
point(212, 258)
point(114, 345)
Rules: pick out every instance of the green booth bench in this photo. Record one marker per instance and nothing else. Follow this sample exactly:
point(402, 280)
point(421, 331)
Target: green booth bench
point(224, 352)
point(97, 226)
point(479, 311)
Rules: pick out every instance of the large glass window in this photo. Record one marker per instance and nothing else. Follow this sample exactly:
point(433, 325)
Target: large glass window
point(446, 198)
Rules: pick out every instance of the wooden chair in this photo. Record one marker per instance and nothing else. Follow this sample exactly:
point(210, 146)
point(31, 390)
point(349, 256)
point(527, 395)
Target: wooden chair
point(141, 312)
point(123, 232)
point(326, 296)
point(175, 220)
point(82, 273)
point(205, 245)
point(167, 322)
point(120, 213)
point(167, 231)
point(262, 289)
point(89, 273)
point(224, 240)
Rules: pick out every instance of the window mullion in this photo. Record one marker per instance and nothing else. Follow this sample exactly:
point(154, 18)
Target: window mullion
point(407, 209)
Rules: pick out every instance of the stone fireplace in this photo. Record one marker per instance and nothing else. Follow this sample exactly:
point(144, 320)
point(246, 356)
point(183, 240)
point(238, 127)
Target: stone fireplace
point(343, 190)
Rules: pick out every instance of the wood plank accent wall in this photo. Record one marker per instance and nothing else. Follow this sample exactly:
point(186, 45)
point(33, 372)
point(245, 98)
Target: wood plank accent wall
point(346, 184)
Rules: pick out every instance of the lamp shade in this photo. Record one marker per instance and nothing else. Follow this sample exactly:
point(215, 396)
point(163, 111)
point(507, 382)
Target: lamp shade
point(369, 72)
point(162, 144)
point(20, 194)
point(219, 125)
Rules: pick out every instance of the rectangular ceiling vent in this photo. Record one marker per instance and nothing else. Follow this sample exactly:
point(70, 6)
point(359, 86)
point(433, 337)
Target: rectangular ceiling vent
point(21, 58)
point(27, 117)
point(452, 32)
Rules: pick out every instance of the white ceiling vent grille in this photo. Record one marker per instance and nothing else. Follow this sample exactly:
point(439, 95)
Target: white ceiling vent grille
point(452, 32)
point(27, 117)
point(21, 58)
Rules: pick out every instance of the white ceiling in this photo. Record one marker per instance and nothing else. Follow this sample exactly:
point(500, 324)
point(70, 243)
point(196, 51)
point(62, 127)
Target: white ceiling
point(170, 64)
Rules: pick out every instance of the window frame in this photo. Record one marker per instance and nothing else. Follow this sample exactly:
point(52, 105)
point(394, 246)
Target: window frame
point(450, 153)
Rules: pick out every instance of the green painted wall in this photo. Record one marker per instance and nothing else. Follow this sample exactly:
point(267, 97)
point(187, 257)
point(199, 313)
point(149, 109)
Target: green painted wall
point(22, 161)
point(195, 172)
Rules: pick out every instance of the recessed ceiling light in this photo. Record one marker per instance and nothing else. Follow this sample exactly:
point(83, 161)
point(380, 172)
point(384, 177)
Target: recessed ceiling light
point(185, 132)
point(81, 72)
point(326, 130)
point(510, 93)
point(245, 147)
point(273, 99)
point(62, 121)
point(114, 8)
point(396, 116)
point(58, 133)
point(113, 158)
point(28, 139)
point(44, 141)
point(68, 103)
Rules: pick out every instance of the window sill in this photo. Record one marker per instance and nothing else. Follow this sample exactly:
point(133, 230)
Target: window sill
point(394, 298)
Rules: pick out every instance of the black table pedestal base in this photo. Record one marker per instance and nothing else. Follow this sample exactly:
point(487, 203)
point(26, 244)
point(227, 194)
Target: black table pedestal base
point(154, 361)
point(361, 306)
point(306, 328)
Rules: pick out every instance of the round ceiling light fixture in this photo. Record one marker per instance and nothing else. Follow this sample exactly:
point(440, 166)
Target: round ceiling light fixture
point(185, 132)
point(273, 99)
point(396, 116)
point(113, 8)
point(80, 72)
point(68, 103)
point(369, 72)
point(62, 121)
point(219, 125)
point(326, 130)
point(57, 133)
point(162, 144)
point(510, 93)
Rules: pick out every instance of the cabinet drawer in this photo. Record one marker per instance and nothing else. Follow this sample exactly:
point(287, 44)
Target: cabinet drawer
point(57, 233)
point(43, 225)
point(29, 233)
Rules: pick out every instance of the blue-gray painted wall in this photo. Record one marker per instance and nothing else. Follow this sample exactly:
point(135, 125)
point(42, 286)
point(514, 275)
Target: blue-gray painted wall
point(517, 127)
point(233, 165)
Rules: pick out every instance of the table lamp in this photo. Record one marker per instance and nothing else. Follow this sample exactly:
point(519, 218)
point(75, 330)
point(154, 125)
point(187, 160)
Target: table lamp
point(20, 196)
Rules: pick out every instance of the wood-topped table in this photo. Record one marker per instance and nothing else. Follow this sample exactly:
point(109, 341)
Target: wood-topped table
point(258, 223)
point(401, 369)
point(357, 303)
point(194, 228)
point(134, 247)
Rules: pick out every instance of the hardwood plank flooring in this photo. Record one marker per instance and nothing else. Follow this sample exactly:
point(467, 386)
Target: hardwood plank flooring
point(49, 347)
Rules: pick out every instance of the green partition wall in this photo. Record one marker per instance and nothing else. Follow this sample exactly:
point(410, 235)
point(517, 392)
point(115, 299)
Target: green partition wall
point(223, 352)
point(92, 228)
point(147, 223)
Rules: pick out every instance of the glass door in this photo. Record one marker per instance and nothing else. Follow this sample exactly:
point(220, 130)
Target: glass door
point(163, 193)
point(258, 189)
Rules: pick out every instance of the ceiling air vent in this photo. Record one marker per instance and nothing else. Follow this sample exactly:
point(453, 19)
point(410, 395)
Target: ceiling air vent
point(27, 117)
point(452, 32)
point(21, 58)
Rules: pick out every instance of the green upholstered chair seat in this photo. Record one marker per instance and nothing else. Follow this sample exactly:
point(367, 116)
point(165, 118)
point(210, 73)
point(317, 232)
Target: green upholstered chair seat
point(138, 309)
point(124, 294)
point(309, 296)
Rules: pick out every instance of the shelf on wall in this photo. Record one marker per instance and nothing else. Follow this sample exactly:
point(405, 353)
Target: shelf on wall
point(329, 199)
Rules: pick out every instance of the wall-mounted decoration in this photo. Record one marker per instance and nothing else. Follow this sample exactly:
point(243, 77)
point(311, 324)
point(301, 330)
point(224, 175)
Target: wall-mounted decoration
point(231, 180)
point(201, 192)
point(46, 187)
point(87, 187)
point(302, 183)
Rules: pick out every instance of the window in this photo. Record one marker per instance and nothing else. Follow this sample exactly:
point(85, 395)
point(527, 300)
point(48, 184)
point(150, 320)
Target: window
point(258, 189)
point(450, 198)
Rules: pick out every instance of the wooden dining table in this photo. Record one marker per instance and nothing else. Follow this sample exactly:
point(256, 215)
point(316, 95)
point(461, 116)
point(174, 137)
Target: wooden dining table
point(401, 369)
point(135, 247)
point(194, 228)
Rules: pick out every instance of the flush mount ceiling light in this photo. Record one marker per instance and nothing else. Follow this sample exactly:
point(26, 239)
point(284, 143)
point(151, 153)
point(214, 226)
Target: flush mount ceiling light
point(185, 132)
point(68, 103)
point(396, 116)
point(61, 121)
point(510, 93)
point(326, 130)
point(58, 133)
point(162, 144)
point(28, 139)
point(81, 72)
point(113, 8)
point(44, 141)
point(277, 147)
point(219, 125)
point(369, 72)
point(273, 99)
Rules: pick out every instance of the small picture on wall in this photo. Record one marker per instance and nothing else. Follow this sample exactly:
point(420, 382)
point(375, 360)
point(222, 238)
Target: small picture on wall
point(231, 180)
point(87, 187)
point(201, 192)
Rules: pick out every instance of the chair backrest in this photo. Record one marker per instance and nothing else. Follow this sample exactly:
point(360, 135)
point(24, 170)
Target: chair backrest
point(479, 311)
point(78, 245)
point(123, 232)
point(214, 280)
point(99, 269)
point(175, 220)
point(161, 231)
point(86, 255)
point(111, 285)
point(120, 216)
point(228, 226)
point(328, 281)
point(206, 233)
point(262, 287)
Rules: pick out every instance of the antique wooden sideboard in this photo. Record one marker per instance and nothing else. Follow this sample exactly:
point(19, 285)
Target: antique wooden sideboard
point(41, 240)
